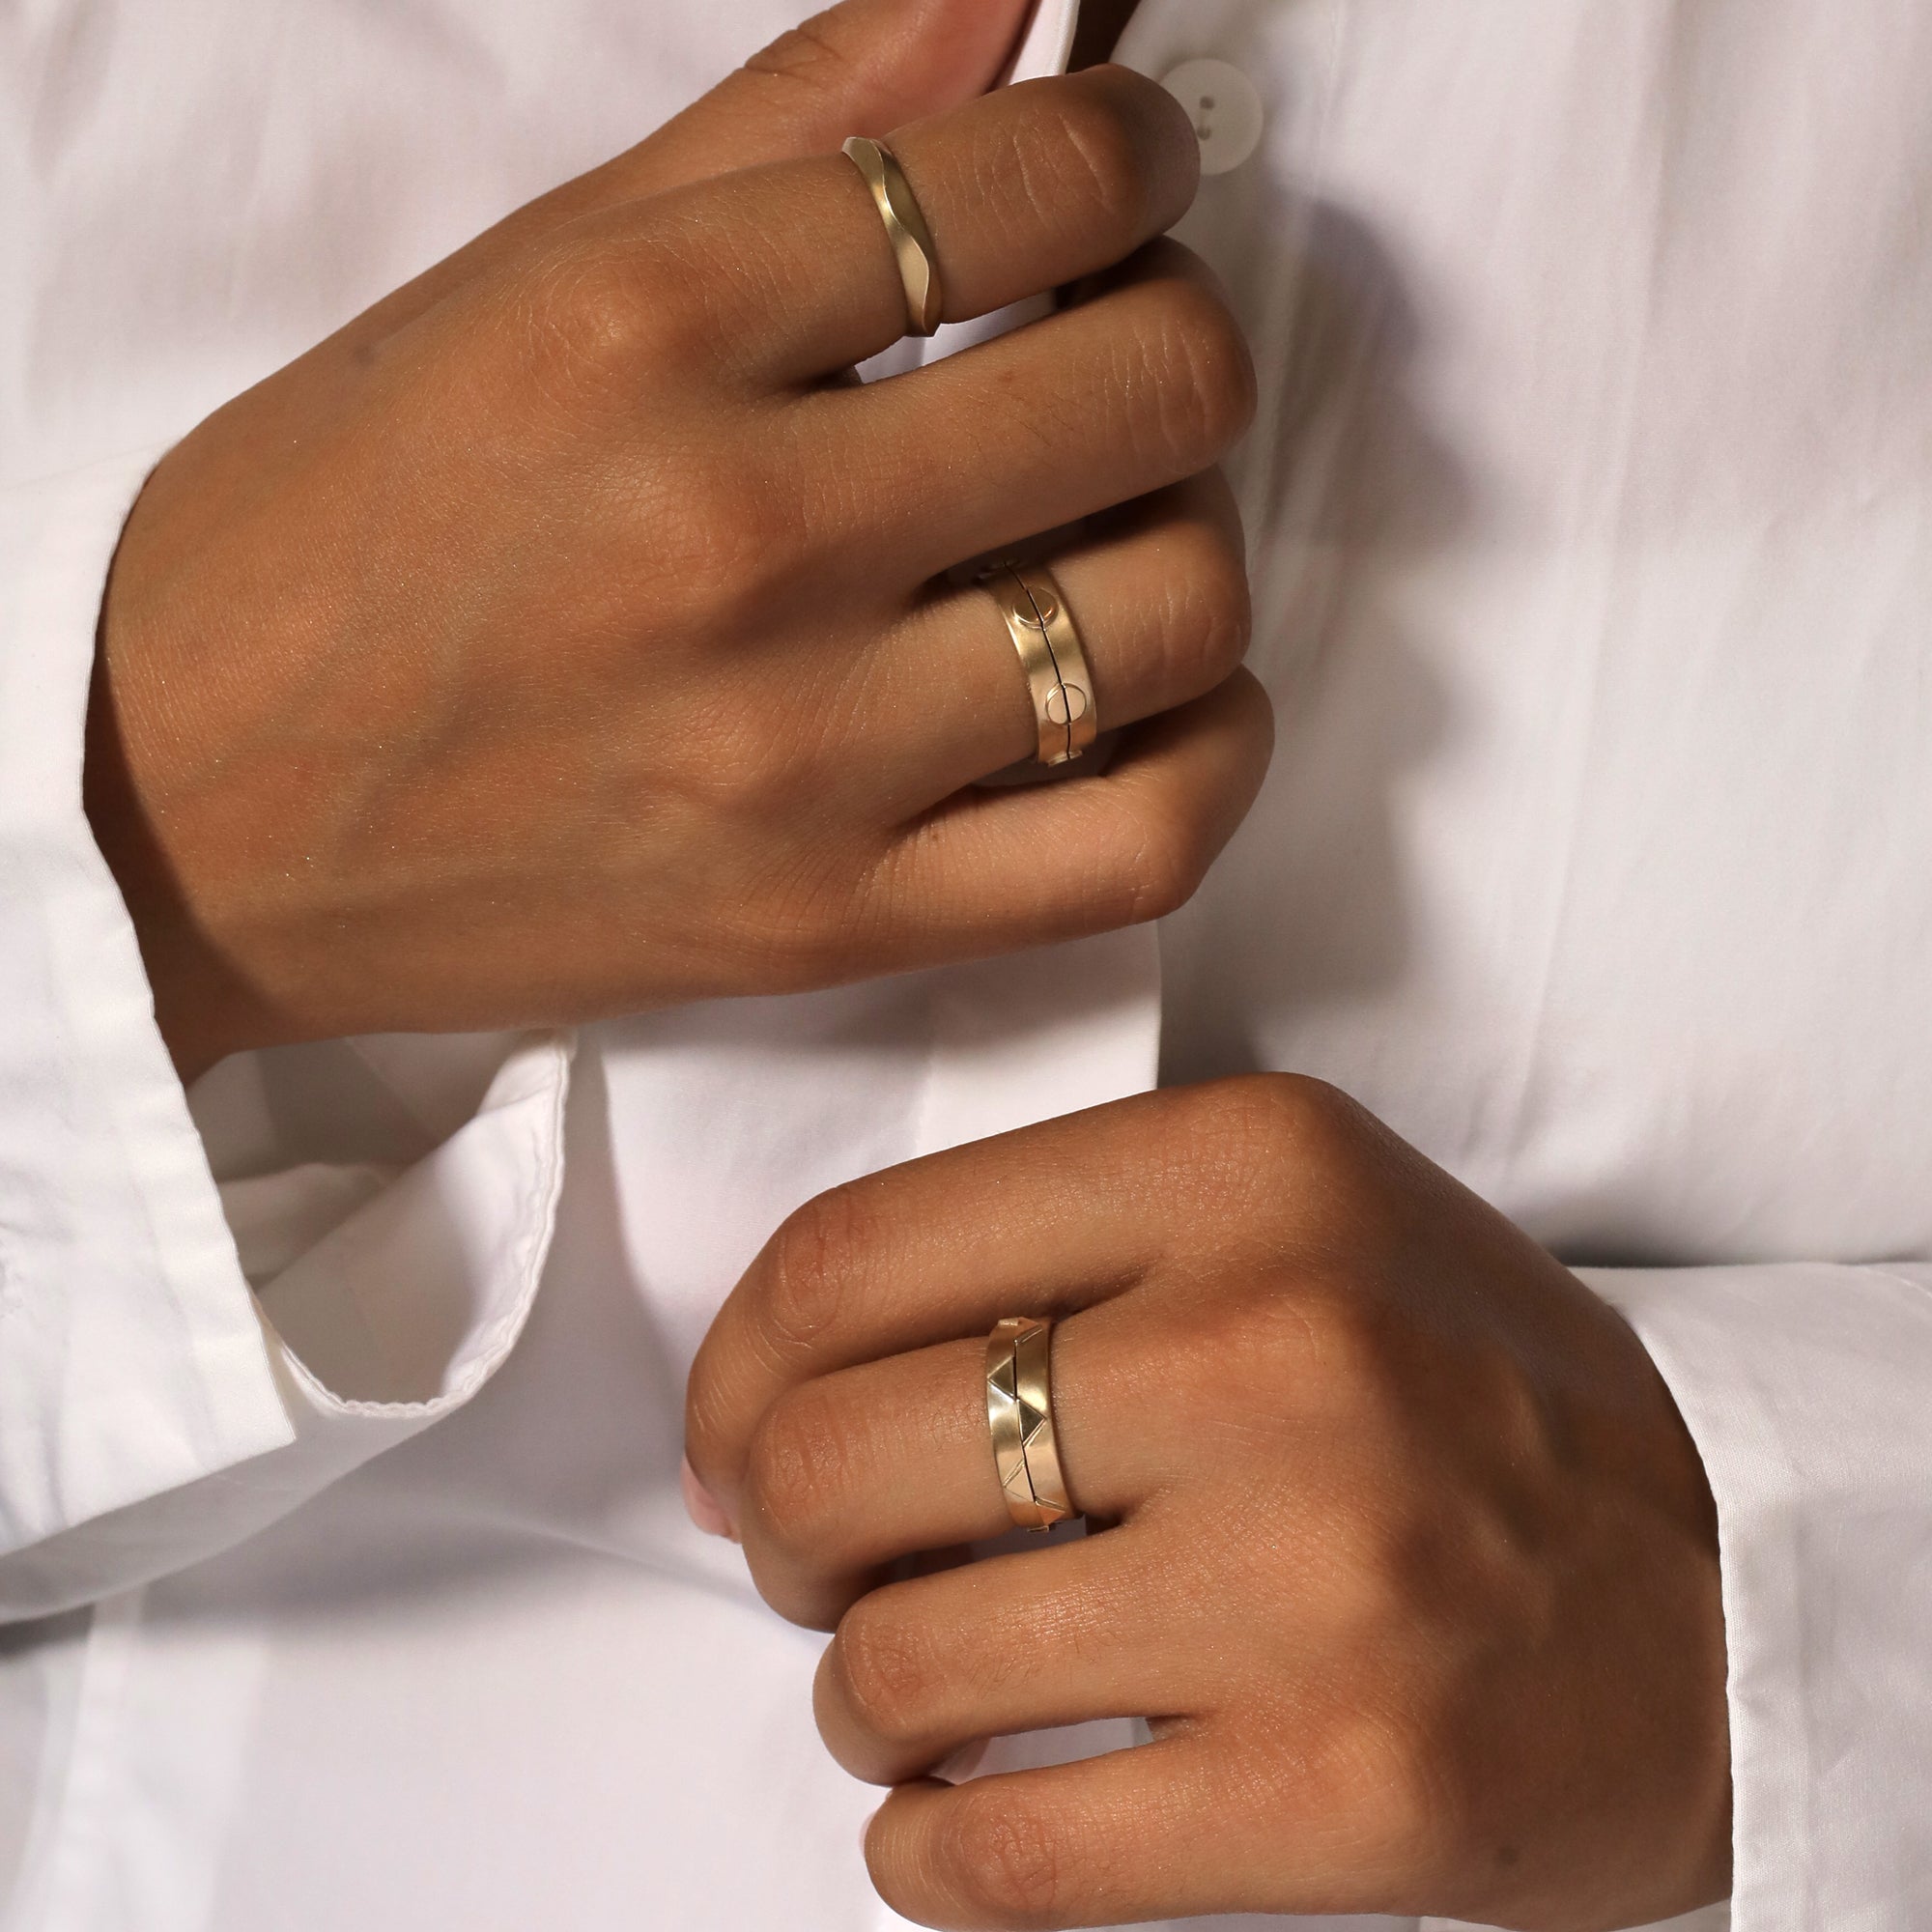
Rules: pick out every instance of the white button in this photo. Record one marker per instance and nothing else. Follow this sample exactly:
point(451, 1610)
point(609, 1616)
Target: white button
point(1226, 111)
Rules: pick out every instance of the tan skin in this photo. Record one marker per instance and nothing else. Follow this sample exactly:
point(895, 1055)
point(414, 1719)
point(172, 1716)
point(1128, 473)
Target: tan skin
point(1408, 1556)
point(567, 635)
point(1405, 1550)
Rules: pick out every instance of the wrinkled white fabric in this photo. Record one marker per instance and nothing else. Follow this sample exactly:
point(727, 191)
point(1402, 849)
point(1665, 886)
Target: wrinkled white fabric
point(156, 1372)
point(1589, 505)
point(149, 1412)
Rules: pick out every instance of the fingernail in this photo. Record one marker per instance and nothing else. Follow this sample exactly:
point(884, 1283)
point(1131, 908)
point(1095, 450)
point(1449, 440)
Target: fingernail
point(703, 1506)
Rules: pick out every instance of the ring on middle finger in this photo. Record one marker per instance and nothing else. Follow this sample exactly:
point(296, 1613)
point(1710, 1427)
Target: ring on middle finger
point(1057, 680)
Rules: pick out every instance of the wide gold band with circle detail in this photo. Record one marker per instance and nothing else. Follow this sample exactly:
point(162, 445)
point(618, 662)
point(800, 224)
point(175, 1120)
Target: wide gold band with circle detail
point(1019, 1411)
point(1058, 680)
point(905, 230)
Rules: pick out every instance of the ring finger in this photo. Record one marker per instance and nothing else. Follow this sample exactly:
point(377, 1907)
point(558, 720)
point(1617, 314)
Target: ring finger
point(1158, 590)
point(1143, 382)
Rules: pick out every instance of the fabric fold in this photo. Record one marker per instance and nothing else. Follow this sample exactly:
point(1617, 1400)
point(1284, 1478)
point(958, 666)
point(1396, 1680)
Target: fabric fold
point(155, 1407)
point(1804, 1387)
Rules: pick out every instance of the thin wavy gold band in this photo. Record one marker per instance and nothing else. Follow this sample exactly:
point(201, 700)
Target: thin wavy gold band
point(906, 228)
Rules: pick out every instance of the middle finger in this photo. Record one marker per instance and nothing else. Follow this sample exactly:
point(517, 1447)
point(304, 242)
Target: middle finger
point(853, 1470)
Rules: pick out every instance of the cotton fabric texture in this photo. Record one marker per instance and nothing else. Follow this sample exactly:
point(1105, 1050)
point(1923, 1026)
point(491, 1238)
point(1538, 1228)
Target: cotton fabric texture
point(1590, 513)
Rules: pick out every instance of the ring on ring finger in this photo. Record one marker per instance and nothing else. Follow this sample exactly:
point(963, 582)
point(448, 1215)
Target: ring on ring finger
point(1019, 1415)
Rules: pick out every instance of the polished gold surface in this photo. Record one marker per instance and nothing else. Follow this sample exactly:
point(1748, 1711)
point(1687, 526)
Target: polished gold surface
point(905, 230)
point(1058, 678)
point(1019, 1411)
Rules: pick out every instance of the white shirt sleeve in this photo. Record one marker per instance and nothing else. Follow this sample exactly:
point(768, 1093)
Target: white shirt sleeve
point(1809, 1392)
point(164, 1391)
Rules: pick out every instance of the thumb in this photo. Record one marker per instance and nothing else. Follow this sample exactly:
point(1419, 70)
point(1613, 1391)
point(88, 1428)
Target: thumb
point(861, 67)
point(858, 67)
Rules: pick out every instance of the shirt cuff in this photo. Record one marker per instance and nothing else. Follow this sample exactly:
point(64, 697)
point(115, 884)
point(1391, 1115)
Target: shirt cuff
point(131, 1355)
point(208, 1314)
point(1809, 1392)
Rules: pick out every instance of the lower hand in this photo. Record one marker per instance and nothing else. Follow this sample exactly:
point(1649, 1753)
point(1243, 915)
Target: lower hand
point(567, 634)
point(1405, 1550)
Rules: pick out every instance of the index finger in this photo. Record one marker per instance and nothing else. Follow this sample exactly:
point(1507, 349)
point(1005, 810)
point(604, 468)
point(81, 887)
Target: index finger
point(1023, 189)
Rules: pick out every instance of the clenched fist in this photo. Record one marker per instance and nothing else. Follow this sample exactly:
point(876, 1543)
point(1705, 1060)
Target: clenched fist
point(1403, 1547)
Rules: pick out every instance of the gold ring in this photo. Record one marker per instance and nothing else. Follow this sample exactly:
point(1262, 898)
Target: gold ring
point(905, 230)
point(1019, 1410)
point(1058, 680)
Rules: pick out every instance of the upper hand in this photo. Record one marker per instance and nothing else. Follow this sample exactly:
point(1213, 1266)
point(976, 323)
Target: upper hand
point(1407, 1554)
point(563, 635)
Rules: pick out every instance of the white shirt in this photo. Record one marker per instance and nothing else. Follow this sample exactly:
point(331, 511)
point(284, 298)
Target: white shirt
point(1590, 510)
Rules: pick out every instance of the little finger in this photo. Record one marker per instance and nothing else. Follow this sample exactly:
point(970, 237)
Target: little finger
point(1153, 1833)
point(991, 871)
point(1096, 1628)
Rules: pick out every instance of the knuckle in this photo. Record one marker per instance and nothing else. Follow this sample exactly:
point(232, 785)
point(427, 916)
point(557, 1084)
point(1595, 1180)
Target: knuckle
point(1344, 1360)
point(810, 53)
point(1318, 1339)
point(751, 767)
point(799, 1468)
point(1208, 618)
point(1094, 160)
point(1202, 371)
point(1289, 1120)
point(1165, 859)
point(1366, 1604)
point(1381, 1773)
point(729, 540)
point(598, 317)
point(888, 1670)
point(804, 918)
point(1006, 1863)
point(1110, 154)
point(1260, 1343)
point(811, 1262)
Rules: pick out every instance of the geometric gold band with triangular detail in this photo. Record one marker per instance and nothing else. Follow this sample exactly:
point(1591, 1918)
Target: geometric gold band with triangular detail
point(1019, 1410)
